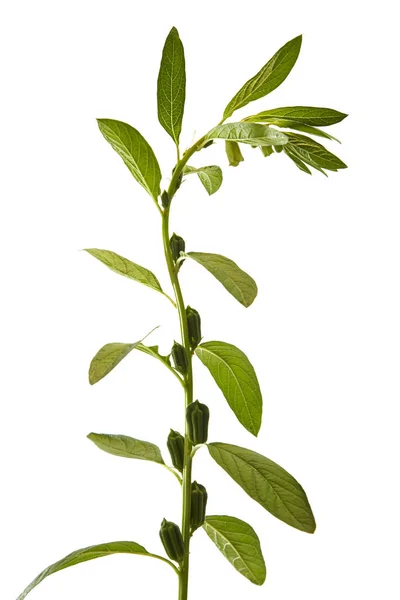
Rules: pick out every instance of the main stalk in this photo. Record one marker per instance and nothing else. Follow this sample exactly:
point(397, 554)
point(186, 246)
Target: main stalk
point(188, 386)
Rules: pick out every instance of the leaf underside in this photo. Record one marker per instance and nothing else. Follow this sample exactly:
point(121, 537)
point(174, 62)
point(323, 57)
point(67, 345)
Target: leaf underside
point(267, 483)
point(240, 545)
point(127, 447)
point(237, 380)
point(255, 134)
point(210, 177)
point(108, 357)
point(237, 282)
point(83, 555)
point(125, 267)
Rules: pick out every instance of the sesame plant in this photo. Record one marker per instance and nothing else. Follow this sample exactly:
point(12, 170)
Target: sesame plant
point(289, 131)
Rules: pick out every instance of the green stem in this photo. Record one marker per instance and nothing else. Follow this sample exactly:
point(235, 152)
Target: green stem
point(188, 385)
point(188, 380)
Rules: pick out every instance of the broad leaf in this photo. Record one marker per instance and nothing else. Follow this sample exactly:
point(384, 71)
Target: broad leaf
point(210, 177)
point(256, 134)
point(239, 543)
point(267, 483)
point(135, 152)
point(302, 115)
point(268, 78)
point(127, 447)
point(297, 161)
point(313, 153)
point(171, 86)
point(237, 282)
point(233, 153)
point(89, 553)
point(125, 267)
point(108, 357)
point(236, 378)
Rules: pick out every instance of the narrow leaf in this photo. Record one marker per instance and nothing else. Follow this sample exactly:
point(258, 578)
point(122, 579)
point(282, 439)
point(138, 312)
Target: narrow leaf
point(127, 447)
point(89, 553)
point(267, 483)
point(297, 161)
point(239, 543)
point(210, 177)
point(108, 357)
point(268, 78)
point(233, 153)
point(302, 115)
point(135, 152)
point(237, 282)
point(125, 267)
point(313, 153)
point(171, 86)
point(236, 378)
point(309, 129)
point(256, 134)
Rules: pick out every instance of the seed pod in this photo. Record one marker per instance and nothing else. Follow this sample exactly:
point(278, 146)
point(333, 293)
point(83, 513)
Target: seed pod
point(177, 245)
point(198, 505)
point(171, 538)
point(180, 357)
point(175, 444)
point(165, 199)
point(194, 327)
point(179, 181)
point(197, 417)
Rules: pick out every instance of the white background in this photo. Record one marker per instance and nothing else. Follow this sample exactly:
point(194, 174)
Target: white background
point(323, 334)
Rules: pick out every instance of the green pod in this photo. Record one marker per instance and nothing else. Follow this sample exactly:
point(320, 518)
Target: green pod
point(180, 358)
point(175, 444)
point(198, 503)
point(197, 417)
point(165, 199)
point(171, 538)
point(194, 327)
point(177, 245)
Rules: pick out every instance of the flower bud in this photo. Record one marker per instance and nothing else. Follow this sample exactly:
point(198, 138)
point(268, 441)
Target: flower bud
point(180, 357)
point(175, 444)
point(197, 417)
point(194, 327)
point(171, 538)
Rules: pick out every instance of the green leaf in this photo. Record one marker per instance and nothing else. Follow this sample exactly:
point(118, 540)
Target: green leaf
point(297, 161)
point(233, 153)
point(267, 483)
point(311, 131)
point(268, 78)
point(108, 357)
point(313, 153)
point(125, 267)
point(127, 447)
point(236, 378)
point(239, 543)
point(171, 86)
point(237, 282)
point(135, 152)
point(302, 115)
point(210, 177)
point(248, 133)
point(90, 553)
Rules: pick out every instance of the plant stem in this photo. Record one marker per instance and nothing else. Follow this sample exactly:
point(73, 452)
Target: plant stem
point(188, 380)
point(188, 386)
